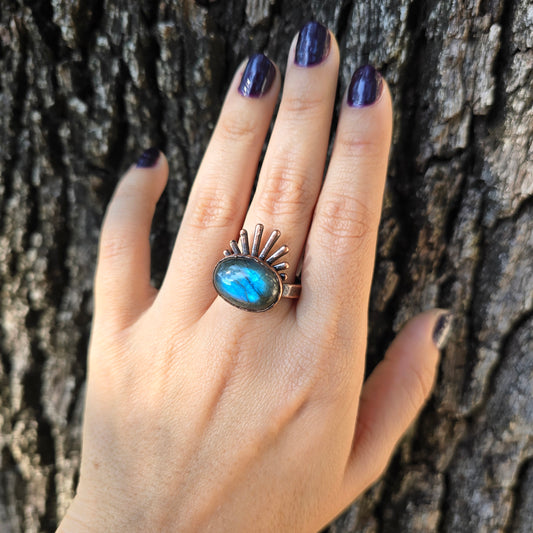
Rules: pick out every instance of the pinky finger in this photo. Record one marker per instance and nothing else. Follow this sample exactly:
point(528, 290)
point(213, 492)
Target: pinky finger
point(122, 282)
point(393, 396)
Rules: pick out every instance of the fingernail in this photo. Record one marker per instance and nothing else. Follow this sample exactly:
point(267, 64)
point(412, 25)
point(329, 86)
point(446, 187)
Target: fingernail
point(313, 44)
point(442, 329)
point(258, 76)
point(148, 158)
point(366, 87)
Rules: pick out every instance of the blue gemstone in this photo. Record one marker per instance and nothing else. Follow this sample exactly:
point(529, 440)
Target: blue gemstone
point(247, 283)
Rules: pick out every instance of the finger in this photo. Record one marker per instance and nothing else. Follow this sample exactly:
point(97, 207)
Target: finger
point(293, 168)
point(393, 395)
point(122, 282)
point(221, 192)
point(339, 260)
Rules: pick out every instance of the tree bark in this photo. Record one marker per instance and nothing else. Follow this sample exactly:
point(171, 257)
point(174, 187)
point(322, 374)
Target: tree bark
point(85, 85)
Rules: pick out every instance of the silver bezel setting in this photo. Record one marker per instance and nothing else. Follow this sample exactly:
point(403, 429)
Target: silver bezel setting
point(262, 257)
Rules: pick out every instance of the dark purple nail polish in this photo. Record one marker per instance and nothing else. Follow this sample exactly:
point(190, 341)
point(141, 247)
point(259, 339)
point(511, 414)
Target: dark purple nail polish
point(441, 332)
point(258, 76)
point(148, 158)
point(313, 44)
point(366, 87)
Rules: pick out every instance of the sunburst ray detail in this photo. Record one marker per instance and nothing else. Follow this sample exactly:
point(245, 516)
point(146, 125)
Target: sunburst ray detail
point(256, 246)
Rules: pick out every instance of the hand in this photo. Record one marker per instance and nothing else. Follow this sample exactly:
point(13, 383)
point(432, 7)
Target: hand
point(201, 416)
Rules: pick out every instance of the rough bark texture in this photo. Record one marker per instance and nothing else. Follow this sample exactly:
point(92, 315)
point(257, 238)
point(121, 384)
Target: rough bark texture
point(86, 84)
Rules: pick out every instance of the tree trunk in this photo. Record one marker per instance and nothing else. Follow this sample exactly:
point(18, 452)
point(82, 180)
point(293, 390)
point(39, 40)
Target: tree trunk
point(85, 85)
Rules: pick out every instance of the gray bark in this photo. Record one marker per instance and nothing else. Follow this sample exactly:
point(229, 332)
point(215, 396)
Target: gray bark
point(87, 84)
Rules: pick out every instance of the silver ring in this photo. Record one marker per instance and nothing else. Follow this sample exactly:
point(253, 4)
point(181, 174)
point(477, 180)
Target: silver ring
point(249, 279)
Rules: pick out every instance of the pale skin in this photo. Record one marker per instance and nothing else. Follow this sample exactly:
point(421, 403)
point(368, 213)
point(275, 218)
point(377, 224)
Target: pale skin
point(203, 417)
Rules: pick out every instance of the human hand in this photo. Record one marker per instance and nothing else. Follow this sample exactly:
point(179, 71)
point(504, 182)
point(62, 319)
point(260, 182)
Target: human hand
point(201, 416)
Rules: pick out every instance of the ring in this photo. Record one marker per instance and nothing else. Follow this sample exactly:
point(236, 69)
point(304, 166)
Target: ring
point(250, 280)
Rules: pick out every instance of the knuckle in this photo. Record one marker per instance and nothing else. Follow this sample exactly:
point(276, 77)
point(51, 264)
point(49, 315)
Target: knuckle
point(238, 128)
point(355, 145)
point(113, 245)
point(301, 106)
point(345, 221)
point(212, 209)
point(284, 193)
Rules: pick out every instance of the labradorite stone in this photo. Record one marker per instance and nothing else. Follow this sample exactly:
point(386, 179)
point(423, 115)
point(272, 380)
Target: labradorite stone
point(247, 283)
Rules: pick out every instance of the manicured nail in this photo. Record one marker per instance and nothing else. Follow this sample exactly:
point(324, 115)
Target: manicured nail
point(148, 158)
point(442, 329)
point(313, 44)
point(366, 87)
point(258, 76)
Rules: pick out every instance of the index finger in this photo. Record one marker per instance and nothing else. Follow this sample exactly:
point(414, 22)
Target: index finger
point(339, 258)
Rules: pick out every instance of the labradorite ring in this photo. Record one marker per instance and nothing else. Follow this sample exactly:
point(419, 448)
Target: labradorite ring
point(249, 279)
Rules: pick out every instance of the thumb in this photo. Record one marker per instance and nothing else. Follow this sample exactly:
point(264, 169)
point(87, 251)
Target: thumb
point(394, 394)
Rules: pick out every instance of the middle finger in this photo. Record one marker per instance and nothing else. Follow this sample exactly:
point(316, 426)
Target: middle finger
point(293, 167)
